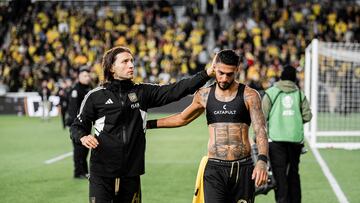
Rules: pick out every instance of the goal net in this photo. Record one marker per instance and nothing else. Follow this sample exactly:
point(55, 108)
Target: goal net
point(332, 85)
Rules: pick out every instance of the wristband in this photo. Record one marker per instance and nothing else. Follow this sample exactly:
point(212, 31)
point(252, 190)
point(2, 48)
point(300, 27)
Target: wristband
point(151, 124)
point(262, 158)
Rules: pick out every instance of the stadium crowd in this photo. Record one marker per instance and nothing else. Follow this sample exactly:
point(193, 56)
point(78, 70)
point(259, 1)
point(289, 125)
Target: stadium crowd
point(51, 40)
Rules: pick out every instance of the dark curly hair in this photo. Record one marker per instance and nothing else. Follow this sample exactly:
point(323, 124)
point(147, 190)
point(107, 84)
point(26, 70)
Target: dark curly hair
point(228, 57)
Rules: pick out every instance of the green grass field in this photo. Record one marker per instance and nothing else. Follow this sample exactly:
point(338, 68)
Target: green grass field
point(172, 157)
point(336, 121)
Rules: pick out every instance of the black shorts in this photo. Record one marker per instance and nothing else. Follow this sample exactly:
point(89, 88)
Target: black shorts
point(229, 181)
point(114, 190)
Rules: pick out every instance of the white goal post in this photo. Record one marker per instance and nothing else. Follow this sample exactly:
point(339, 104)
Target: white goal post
point(332, 85)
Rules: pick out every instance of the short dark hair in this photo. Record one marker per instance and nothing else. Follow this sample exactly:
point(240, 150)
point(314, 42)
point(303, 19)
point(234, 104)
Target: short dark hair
point(109, 59)
point(288, 73)
point(228, 57)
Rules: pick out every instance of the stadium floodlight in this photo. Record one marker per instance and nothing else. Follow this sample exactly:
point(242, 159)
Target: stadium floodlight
point(332, 85)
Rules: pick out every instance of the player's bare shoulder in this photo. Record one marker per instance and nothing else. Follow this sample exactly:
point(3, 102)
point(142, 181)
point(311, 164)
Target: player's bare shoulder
point(202, 95)
point(251, 95)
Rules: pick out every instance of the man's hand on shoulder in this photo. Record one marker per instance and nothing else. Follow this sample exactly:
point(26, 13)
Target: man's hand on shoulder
point(211, 70)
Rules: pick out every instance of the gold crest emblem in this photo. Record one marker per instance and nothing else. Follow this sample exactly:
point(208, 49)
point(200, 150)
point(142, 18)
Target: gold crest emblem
point(133, 97)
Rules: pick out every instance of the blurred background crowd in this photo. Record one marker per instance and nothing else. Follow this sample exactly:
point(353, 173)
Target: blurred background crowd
point(46, 43)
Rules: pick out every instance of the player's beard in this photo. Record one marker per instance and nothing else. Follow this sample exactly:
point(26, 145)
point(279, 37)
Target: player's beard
point(224, 85)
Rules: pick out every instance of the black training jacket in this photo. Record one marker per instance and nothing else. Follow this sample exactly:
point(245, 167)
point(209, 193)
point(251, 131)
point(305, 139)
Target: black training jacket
point(117, 110)
point(75, 96)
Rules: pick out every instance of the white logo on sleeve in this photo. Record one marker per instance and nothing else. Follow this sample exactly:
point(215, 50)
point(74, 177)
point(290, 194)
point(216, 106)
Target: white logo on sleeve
point(74, 94)
point(109, 101)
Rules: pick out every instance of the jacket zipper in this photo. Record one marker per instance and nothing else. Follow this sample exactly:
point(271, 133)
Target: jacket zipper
point(124, 134)
point(123, 127)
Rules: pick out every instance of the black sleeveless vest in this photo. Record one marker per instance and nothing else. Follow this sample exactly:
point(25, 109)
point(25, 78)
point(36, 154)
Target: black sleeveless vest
point(234, 111)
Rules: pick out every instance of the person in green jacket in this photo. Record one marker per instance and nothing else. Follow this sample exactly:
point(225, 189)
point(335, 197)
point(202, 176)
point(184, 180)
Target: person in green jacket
point(286, 109)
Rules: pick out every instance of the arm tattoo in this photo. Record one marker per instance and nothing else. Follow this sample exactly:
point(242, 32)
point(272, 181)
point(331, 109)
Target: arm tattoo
point(204, 94)
point(253, 100)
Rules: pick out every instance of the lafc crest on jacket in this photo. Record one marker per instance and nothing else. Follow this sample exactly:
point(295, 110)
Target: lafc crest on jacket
point(132, 96)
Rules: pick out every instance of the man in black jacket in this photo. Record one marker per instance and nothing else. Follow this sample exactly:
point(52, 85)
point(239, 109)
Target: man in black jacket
point(118, 110)
point(77, 94)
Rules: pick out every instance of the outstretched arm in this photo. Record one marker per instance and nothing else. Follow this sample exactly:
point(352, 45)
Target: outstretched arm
point(159, 95)
point(155, 95)
point(253, 102)
point(194, 110)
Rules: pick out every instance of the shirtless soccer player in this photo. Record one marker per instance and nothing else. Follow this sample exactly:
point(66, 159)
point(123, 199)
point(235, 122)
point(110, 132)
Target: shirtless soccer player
point(230, 175)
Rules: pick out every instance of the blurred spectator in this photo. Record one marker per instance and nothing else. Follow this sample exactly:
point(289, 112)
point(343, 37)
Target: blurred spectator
point(3, 88)
point(63, 93)
point(45, 92)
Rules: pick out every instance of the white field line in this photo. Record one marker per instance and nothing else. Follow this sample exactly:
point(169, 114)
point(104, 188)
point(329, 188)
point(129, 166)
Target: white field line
point(333, 183)
point(58, 158)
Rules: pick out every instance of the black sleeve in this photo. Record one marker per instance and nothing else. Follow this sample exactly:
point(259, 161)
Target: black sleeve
point(155, 95)
point(73, 106)
point(83, 122)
